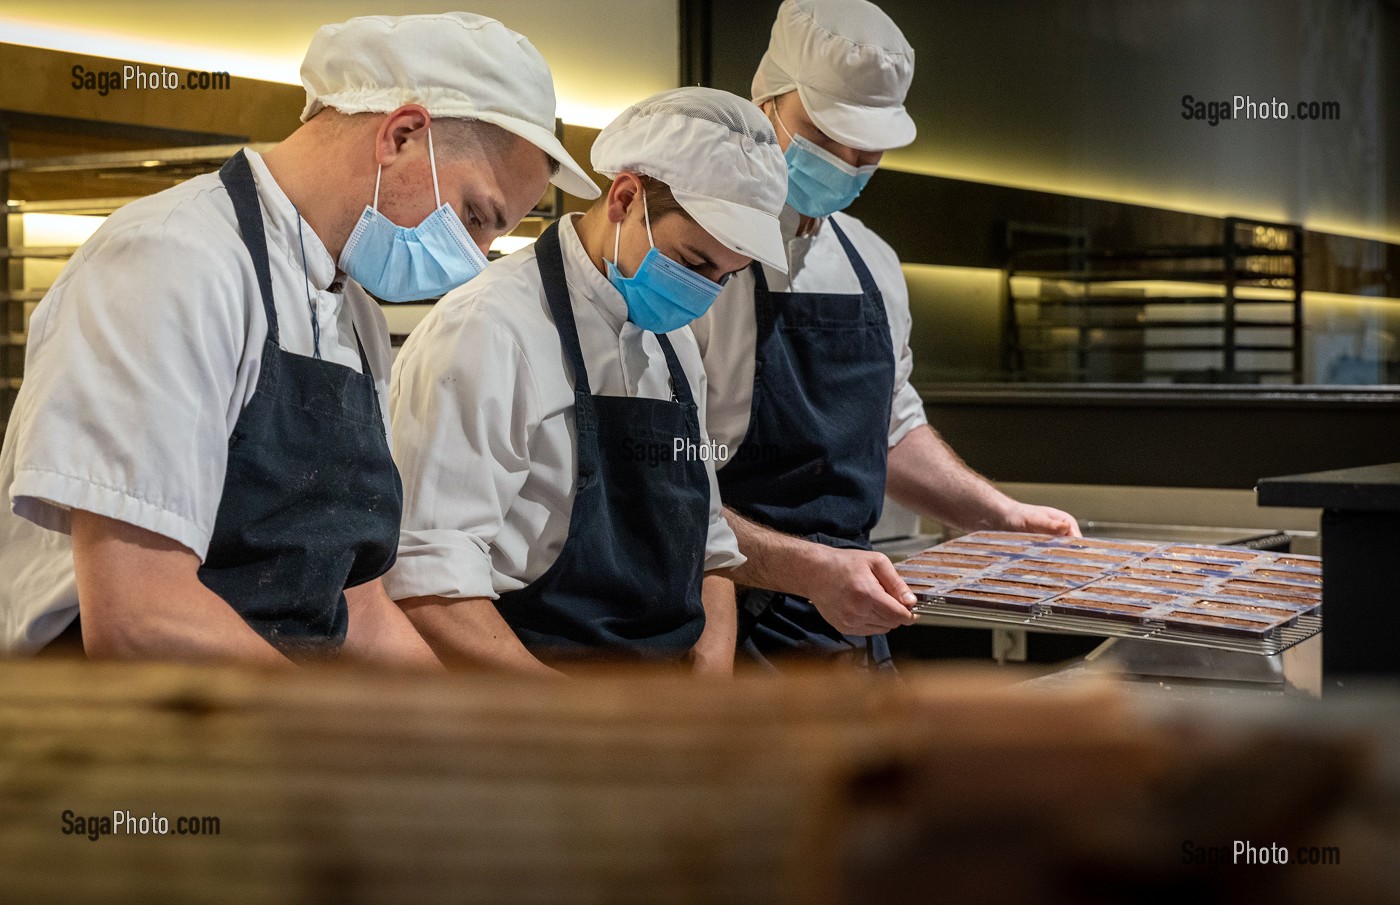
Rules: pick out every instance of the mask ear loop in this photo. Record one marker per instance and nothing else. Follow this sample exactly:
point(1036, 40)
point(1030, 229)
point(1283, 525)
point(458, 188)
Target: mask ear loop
point(432, 161)
point(646, 215)
point(617, 232)
point(779, 117)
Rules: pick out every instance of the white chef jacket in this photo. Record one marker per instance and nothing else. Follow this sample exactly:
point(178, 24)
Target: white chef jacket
point(141, 357)
point(482, 407)
point(818, 263)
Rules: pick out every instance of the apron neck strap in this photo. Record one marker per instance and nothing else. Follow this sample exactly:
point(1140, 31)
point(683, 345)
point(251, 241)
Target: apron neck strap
point(868, 286)
point(680, 384)
point(549, 257)
point(867, 282)
point(237, 177)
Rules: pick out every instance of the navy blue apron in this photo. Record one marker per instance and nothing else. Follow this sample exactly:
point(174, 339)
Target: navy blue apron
point(627, 582)
point(311, 500)
point(813, 461)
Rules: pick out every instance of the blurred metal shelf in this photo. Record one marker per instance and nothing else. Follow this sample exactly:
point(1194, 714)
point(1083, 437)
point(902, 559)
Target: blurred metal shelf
point(72, 206)
point(157, 160)
point(1042, 262)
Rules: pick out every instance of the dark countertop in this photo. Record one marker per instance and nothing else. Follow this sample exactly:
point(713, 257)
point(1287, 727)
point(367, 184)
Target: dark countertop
point(1372, 488)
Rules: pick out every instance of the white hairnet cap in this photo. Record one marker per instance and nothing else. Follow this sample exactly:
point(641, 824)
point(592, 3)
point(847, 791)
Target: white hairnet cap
point(850, 65)
point(456, 65)
point(719, 156)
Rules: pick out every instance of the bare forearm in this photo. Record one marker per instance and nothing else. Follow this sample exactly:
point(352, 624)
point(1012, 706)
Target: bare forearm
point(140, 598)
point(714, 651)
point(380, 633)
point(186, 624)
point(777, 561)
point(471, 631)
point(926, 475)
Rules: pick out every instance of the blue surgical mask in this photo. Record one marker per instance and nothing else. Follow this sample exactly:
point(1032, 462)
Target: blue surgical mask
point(409, 264)
point(663, 295)
point(819, 182)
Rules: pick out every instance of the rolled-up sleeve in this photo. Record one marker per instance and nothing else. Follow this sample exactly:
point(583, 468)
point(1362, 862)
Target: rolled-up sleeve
point(463, 406)
point(130, 373)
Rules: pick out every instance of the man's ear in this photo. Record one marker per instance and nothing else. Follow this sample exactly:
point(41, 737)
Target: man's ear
point(399, 127)
point(621, 195)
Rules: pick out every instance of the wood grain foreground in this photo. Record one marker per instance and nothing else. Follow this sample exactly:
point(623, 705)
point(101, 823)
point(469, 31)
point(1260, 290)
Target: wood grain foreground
point(344, 787)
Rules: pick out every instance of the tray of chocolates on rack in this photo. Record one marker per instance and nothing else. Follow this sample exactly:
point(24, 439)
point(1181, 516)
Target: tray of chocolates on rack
point(1179, 589)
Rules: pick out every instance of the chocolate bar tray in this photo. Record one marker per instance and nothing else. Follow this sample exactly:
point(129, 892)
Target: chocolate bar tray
point(934, 610)
point(1226, 598)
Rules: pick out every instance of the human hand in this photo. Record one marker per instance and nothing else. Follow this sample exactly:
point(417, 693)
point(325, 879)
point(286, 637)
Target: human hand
point(1039, 520)
point(858, 591)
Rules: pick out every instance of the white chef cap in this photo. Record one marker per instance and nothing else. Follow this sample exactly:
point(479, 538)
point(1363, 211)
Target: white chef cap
point(719, 156)
point(850, 65)
point(456, 65)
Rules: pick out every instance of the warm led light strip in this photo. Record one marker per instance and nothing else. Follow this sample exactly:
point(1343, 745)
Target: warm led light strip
point(1096, 193)
point(201, 58)
point(75, 39)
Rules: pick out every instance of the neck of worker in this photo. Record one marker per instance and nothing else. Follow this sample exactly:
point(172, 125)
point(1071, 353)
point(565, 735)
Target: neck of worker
point(595, 232)
point(305, 170)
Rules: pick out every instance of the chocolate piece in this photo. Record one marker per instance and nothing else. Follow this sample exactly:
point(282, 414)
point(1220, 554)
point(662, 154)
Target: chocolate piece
point(1085, 554)
point(1196, 552)
point(918, 569)
point(1069, 568)
point(1080, 605)
point(935, 558)
point(1154, 581)
point(1217, 623)
point(999, 550)
point(1103, 543)
point(931, 580)
point(1283, 615)
point(1128, 594)
point(1301, 562)
point(1280, 575)
point(1023, 587)
point(1147, 574)
point(1185, 566)
point(991, 598)
point(1270, 589)
point(1063, 579)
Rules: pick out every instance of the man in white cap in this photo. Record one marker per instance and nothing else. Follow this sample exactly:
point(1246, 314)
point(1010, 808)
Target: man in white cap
point(809, 373)
point(198, 460)
point(559, 496)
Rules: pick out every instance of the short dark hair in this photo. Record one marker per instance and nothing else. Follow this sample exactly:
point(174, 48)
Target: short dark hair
point(660, 200)
point(474, 134)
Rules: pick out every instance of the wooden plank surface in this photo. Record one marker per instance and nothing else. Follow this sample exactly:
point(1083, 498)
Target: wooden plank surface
point(339, 786)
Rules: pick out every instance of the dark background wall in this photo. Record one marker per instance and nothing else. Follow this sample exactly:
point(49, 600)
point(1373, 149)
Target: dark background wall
point(1068, 113)
point(1084, 96)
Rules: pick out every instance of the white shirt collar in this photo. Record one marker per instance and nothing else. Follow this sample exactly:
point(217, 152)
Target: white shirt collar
point(583, 278)
point(282, 219)
point(790, 219)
